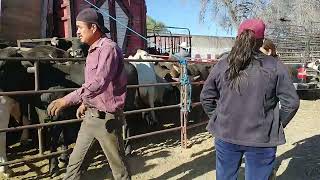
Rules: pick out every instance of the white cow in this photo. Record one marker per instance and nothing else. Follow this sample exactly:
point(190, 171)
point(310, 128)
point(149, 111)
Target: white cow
point(147, 75)
point(314, 65)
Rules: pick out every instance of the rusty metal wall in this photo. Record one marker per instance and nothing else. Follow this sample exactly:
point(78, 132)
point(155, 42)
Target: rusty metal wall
point(20, 19)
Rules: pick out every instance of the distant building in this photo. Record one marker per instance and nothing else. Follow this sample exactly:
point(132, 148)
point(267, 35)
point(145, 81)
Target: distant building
point(209, 47)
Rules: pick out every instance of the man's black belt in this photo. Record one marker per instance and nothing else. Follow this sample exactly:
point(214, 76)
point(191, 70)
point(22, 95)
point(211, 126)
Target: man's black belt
point(99, 114)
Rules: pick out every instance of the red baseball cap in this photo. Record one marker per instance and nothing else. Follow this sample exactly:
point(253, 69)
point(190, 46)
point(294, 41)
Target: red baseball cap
point(256, 25)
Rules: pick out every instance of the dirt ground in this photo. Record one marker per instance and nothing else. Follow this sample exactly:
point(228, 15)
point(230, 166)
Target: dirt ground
point(161, 157)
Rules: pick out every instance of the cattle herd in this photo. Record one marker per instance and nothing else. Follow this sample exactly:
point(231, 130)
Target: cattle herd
point(31, 109)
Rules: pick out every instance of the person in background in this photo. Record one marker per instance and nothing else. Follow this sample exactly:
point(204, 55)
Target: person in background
point(240, 96)
point(184, 50)
point(101, 98)
point(269, 48)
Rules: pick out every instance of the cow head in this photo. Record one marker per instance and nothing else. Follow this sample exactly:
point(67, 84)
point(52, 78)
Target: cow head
point(8, 52)
point(171, 72)
point(73, 46)
point(78, 49)
point(61, 43)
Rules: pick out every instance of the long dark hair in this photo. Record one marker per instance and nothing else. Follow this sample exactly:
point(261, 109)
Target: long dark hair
point(241, 55)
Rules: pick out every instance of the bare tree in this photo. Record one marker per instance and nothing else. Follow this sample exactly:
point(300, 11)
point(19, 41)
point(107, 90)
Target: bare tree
point(229, 13)
point(294, 12)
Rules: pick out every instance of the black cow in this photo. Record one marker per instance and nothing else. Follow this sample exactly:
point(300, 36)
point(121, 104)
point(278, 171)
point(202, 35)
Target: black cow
point(55, 76)
point(14, 77)
point(73, 46)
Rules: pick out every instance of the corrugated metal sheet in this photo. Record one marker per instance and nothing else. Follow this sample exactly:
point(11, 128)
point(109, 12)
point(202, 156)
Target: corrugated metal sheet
point(138, 13)
point(121, 31)
point(105, 8)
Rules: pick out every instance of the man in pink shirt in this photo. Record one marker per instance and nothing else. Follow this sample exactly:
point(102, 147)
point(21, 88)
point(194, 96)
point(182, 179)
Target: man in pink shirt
point(102, 98)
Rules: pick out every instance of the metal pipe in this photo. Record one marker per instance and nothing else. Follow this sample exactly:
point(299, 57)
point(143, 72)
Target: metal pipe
point(181, 132)
point(11, 93)
point(33, 126)
point(42, 59)
point(152, 109)
point(149, 60)
point(154, 84)
point(196, 104)
point(72, 89)
point(77, 59)
point(40, 141)
point(197, 125)
point(36, 88)
point(36, 75)
point(83, 59)
point(198, 83)
point(153, 133)
point(37, 157)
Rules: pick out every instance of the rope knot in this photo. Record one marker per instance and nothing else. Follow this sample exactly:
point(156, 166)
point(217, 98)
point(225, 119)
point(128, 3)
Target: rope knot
point(185, 81)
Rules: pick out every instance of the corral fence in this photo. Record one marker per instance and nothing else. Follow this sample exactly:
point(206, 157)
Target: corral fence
point(35, 69)
point(296, 44)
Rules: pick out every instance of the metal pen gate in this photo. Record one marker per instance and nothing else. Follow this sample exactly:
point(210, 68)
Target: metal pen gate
point(183, 114)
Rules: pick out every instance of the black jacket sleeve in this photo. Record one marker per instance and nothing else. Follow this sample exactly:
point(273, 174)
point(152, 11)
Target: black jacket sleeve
point(287, 94)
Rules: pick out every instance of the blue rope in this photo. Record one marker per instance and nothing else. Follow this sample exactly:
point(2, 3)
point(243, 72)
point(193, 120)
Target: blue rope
point(185, 81)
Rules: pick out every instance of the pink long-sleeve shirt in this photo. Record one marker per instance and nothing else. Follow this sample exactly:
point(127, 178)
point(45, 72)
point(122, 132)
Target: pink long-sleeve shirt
point(105, 78)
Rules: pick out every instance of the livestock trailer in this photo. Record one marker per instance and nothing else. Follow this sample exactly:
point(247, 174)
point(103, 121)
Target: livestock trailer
point(36, 19)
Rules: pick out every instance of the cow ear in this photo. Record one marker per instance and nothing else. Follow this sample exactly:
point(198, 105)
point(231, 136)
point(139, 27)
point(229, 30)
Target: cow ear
point(54, 41)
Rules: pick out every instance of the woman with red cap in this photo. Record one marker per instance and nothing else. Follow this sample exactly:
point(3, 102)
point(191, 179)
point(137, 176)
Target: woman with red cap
point(240, 96)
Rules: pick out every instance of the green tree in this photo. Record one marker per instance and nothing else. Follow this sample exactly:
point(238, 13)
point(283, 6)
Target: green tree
point(153, 25)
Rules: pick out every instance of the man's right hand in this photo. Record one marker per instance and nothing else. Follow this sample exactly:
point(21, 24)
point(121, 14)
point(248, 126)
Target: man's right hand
point(56, 106)
point(81, 111)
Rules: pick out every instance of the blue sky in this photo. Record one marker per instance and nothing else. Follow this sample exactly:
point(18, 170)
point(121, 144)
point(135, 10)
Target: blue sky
point(183, 13)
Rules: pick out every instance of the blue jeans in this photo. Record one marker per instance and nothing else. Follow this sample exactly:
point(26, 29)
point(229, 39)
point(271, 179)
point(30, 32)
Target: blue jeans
point(259, 162)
